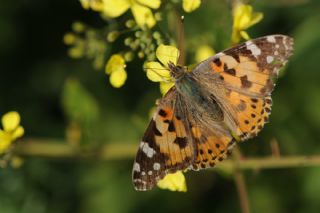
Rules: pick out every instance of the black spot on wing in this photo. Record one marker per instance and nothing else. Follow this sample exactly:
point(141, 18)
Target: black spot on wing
point(230, 72)
point(162, 113)
point(181, 142)
point(217, 61)
point(171, 127)
point(245, 83)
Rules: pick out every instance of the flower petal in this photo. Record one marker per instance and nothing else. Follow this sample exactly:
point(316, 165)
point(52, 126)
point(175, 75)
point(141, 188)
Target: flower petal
point(156, 72)
point(256, 17)
point(116, 8)
point(244, 35)
point(166, 54)
point(190, 5)
point(10, 121)
point(18, 133)
point(118, 78)
point(204, 52)
point(143, 16)
point(115, 63)
point(165, 86)
point(173, 182)
point(154, 4)
point(95, 5)
point(5, 141)
point(243, 16)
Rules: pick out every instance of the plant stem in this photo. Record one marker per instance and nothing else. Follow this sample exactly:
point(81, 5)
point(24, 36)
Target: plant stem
point(241, 184)
point(121, 150)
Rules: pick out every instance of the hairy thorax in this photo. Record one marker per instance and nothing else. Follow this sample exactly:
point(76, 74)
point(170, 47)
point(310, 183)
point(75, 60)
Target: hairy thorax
point(195, 96)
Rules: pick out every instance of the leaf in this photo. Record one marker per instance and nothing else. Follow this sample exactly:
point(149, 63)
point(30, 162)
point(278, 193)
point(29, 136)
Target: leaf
point(79, 105)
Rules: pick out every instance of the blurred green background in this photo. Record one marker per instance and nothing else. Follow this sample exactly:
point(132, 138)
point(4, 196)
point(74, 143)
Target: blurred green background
point(56, 94)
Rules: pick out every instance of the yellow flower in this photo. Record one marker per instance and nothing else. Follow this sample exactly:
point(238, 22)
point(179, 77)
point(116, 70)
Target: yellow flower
point(96, 5)
point(190, 5)
point(115, 67)
point(243, 18)
point(140, 9)
point(173, 182)
point(204, 52)
point(11, 130)
point(159, 72)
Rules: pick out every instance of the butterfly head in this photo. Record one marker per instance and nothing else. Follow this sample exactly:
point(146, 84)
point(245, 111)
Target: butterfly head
point(176, 71)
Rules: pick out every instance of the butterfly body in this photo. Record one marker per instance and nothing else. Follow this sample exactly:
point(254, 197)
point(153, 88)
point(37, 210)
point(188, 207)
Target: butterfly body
point(225, 99)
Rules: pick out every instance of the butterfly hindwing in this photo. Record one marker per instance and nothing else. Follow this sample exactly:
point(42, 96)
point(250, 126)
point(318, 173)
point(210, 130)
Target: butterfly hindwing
point(212, 147)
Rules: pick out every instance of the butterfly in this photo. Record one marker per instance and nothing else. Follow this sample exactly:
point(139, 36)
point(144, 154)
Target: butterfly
point(223, 100)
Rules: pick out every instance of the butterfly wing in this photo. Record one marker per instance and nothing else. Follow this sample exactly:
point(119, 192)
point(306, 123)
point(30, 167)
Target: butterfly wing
point(242, 78)
point(213, 140)
point(166, 145)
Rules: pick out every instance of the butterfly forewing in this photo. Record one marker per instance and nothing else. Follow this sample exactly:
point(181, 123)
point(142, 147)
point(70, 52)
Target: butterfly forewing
point(166, 145)
point(246, 76)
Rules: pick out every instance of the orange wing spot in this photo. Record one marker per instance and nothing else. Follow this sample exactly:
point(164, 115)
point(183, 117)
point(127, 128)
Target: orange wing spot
point(179, 127)
point(196, 132)
point(234, 97)
point(165, 113)
point(217, 67)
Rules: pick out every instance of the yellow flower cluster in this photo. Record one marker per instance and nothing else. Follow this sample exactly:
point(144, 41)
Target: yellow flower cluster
point(11, 130)
point(243, 18)
point(141, 9)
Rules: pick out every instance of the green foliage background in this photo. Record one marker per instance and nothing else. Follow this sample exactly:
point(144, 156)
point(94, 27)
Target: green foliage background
point(49, 90)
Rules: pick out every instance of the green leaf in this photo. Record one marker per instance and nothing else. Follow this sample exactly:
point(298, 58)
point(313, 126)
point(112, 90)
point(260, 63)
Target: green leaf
point(79, 105)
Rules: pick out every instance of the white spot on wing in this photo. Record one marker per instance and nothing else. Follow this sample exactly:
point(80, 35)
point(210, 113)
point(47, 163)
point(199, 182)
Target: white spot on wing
point(271, 39)
point(269, 59)
point(147, 149)
point(255, 50)
point(156, 166)
point(149, 172)
point(136, 167)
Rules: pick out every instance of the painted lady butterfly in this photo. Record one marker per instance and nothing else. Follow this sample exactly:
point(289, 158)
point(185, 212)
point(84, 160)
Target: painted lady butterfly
point(225, 99)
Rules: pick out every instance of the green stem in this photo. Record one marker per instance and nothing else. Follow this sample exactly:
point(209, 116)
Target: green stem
point(126, 150)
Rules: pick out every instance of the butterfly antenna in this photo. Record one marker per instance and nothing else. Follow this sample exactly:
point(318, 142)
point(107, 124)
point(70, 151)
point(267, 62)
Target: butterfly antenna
point(181, 40)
